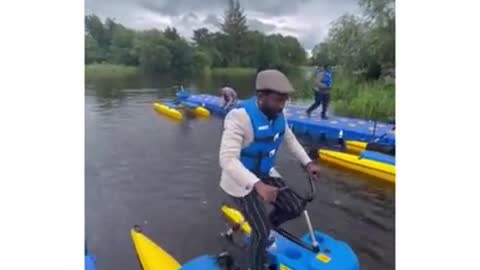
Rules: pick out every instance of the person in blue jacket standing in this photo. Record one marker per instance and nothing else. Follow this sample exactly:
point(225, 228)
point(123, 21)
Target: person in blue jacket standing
point(323, 84)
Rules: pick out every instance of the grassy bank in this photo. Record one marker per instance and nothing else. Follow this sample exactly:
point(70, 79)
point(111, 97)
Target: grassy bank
point(291, 71)
point(369, 100)
point(352, 97)
point(109, 71)
point(233, 71)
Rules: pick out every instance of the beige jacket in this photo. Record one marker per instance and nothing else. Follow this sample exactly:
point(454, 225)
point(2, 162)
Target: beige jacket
point(236, 180)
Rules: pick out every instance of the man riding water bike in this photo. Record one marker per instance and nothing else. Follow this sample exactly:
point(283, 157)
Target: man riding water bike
point(251, 138)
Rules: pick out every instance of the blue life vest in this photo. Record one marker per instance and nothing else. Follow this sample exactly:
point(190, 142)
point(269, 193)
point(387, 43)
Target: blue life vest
point(259, 157)
point(327, 78)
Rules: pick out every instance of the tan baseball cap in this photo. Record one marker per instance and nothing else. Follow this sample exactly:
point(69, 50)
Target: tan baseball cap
point(274, 80)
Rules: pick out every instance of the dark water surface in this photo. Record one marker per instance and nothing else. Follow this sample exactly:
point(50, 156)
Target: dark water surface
point(142, 168)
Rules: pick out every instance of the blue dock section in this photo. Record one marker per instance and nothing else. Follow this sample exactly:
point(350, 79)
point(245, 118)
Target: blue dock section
point(352, 129)
point(90, 259)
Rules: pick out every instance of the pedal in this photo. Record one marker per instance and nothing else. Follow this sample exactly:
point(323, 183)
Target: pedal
point(236, 219)
point(226, 262)
point(227, 235)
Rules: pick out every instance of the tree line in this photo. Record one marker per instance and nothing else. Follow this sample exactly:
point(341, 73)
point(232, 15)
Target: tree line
point(358, 44)
point(156, 51)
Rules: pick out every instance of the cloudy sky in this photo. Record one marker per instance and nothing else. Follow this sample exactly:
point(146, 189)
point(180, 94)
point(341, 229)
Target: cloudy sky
point(308, 20)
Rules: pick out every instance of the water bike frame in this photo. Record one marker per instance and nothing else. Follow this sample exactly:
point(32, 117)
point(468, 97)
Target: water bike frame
point(304, 200)
point(314, 251)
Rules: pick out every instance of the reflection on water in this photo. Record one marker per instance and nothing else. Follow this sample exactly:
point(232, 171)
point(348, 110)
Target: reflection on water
point(144, 168)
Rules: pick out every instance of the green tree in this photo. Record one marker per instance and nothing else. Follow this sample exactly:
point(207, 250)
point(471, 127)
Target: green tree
point(267, 53)
point(322, 54)
point(362, 45)
point(379, 12)
point(91, 50)
point(109, 27)
point(289, 49)
point(348, 36)
point(121, 48)
point(172, 34)
point(153, 53)
point(182, 58)
point(252, 42)
point(154, 58)
point(201, 61)
point(380, 15)
point(221, 56)
point(234, 26)
point(202, 37)
point(94, 27)
point(234, 23)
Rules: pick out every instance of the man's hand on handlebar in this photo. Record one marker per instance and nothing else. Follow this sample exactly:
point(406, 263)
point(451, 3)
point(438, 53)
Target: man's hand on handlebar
point(313, 170)
point(267, 192)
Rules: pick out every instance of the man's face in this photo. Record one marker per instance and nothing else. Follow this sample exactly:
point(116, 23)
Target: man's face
point(272, 104)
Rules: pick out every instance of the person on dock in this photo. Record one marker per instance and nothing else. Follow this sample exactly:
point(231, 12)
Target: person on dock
point(229, 97)
point(323, 84)
point(251, 138)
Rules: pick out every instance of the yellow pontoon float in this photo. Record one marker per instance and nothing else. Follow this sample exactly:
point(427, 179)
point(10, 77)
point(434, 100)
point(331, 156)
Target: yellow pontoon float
point(168, 111)
point(378, 169)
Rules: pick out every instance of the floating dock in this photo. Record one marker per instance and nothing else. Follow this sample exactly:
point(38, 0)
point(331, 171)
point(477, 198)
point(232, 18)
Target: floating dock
point(349, 128)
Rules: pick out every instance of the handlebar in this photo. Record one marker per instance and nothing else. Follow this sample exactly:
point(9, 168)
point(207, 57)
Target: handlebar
point(310, 195)
point(313, 190)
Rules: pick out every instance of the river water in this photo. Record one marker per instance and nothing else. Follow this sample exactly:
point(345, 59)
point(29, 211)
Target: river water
point(142, 168)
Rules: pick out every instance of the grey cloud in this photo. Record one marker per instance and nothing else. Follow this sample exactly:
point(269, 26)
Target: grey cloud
point(120, 9)
point(310, 18)
point(212, 20)
point(177, 7)
point(273, 7)
point(255, 24)
point(309, 40)
point(192, 15)
point(289, 29)
point(190, 18)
